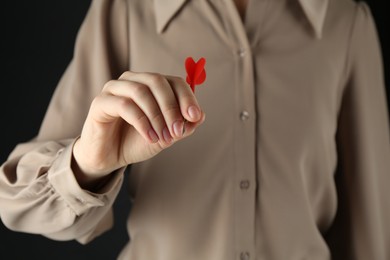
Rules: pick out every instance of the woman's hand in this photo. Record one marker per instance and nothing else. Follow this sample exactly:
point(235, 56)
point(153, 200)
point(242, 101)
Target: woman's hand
point(133, 119)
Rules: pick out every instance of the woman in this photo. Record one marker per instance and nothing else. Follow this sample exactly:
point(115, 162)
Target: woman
point(291, 163)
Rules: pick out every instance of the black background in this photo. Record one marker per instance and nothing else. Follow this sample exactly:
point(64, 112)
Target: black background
point(37, 40)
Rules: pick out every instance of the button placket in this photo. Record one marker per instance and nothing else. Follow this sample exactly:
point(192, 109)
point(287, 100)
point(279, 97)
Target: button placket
point(244, 96)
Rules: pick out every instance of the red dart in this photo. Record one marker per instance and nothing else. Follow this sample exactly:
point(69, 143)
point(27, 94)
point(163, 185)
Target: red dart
point(196, 73)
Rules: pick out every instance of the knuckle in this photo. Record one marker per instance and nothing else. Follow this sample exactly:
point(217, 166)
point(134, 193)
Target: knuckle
point(139, 120)
point(157, 118)
point(171, 109)
point(125, 75)
point(157, 79)
point(108, 85)
point(124, 104)
point(139, 90)
point(96, 101)
point(179, 80)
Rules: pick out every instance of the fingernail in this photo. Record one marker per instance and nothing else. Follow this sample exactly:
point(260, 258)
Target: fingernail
point(153, 136)
point(167, 136)
point(194, 112)
point(178, 128)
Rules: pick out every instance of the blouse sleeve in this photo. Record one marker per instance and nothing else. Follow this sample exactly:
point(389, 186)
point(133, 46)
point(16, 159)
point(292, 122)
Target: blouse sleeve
point(363, 220)
point(38, 191)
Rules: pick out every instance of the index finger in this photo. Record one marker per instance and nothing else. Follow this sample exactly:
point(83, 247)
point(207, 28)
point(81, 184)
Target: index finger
point(188, 103)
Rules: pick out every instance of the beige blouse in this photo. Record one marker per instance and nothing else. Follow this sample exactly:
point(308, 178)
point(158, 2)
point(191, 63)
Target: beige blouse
point(292, 162)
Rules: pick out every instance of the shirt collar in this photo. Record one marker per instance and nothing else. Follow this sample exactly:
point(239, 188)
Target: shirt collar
point(315, 11)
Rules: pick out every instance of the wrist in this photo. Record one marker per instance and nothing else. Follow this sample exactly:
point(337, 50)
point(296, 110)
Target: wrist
point(87, 177)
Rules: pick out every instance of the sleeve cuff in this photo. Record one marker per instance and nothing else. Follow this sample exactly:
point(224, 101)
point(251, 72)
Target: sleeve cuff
point(62, 179)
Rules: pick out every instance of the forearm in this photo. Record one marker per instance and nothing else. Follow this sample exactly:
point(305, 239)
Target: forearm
point(39, 193)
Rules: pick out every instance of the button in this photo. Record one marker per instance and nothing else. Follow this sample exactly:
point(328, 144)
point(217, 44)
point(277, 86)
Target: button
point(241, 52)
point(80, 200)
point(244, 184)
point(244, 256)
point(244, 115)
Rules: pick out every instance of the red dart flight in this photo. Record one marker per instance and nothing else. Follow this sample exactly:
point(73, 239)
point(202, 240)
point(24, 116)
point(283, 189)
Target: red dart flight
point(196, 73)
